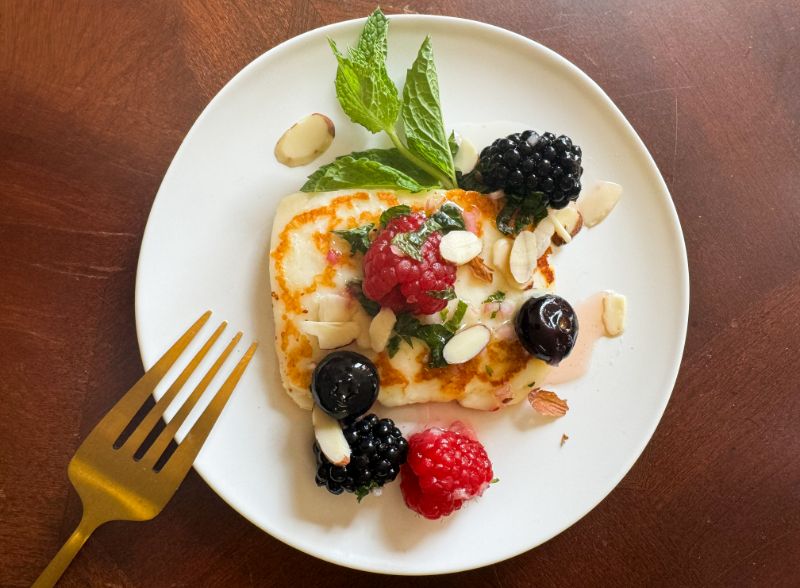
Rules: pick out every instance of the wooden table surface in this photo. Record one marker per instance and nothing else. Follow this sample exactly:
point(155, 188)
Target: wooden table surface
point(95, 98)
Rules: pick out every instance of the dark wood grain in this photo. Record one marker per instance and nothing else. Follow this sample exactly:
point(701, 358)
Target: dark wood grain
point(95, 98)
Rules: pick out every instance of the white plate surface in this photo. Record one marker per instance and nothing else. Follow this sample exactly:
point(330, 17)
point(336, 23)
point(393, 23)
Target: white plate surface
point(205, 247)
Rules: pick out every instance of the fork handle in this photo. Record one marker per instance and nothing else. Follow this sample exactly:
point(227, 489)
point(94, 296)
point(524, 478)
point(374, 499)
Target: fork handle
point(67, 553)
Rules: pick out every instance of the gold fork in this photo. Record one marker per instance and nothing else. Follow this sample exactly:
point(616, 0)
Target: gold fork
point(120, 479)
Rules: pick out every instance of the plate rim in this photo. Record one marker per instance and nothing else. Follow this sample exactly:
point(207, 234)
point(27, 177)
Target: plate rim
point(675, 228)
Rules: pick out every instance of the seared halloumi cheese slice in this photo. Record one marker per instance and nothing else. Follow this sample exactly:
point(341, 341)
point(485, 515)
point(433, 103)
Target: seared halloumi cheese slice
point(309, 270)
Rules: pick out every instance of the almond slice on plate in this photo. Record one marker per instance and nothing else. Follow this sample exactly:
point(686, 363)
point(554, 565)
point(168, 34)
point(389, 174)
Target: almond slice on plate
point(459, 247)
point(331, 335)
point(330, 437)
point(305, 140)
point(522, 260)
point(614, 310)
point(500, 252)
point(547, 403)
point(466, 344)
point(596, 204)
point(380, 329)
point(567, 222)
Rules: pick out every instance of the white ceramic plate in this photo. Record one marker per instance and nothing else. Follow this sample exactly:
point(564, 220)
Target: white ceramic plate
point(206, 244)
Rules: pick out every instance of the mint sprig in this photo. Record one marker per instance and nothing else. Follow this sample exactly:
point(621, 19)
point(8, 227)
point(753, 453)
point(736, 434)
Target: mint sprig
point(435, 336)
point(422, 114)
point(447, 218)
point(357, 238)
point(369, 97)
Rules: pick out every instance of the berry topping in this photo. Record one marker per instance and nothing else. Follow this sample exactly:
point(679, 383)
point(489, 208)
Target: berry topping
point(377, 450)
point(547, 327)
point(400, 282)
point(445, 468)
point(345, 384)
point(527, 162)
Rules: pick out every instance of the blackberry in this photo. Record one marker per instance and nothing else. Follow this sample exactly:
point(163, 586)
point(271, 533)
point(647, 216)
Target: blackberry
point(541, 167)
point(377, 450)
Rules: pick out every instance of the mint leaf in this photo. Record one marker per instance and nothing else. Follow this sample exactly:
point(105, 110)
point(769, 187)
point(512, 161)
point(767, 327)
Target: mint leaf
point(357, 238)
point(447, 294)
point(435, 336)
point(347, 172)
point(394, 211)
point(393, 158)
point(363, 491)
point(363, 87)
point(447, 218)
point(372, 42)
point(356, 290)
point(422, 114)
point(452, 143)
point(454, 321)
point(496, 297)
point(393, 345)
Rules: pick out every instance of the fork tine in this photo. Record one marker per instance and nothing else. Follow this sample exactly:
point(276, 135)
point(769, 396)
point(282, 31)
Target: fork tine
point(126, 407)
point(150, 458)
point(181, 461)
point(137, 437)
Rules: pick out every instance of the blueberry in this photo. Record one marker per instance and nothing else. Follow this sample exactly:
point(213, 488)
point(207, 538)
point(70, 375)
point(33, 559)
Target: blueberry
point(345, 384)
point(547, 327)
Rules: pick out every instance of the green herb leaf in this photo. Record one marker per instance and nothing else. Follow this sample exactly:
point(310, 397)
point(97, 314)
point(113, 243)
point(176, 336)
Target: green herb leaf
point(498, 296)
point(470, 181)
point(422, 114)
point(357, 238)
point(452, 143)
point(495, 481)
point(347, 172)
point(393, 158)
point(363, 87)
point(435, 336)
point(355, 287)
point(363, 491)
point(393, 345)
point(448, 294)
point(447, 218)
point(489, 371)
point(454, 321)
point(394, 211)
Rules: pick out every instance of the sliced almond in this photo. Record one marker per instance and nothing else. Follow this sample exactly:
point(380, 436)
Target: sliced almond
point(334, 308)
point(466, 156)
point(544, 236)
point(380, 329)
point(331, 335)
point(567, 222)
point(547, 403)
point(596, 204)
point(459, 247)
point(501, 250)
point(466, 344)
point(363, 320)
point(522, 260)
point(330, 437)
point(305, 140)
point(614, 310)
point(480, 270)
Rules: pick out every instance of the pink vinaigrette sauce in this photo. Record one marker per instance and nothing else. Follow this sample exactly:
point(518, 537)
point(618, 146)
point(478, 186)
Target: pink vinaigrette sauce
point(590, 329)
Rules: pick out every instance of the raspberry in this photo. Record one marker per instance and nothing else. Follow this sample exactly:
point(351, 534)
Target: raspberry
point(444, 469)
point(401, 282)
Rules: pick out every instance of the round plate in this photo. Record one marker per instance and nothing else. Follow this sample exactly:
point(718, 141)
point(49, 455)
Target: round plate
point(206, 247)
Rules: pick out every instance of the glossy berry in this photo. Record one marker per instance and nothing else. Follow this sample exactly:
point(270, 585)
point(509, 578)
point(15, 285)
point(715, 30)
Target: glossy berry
point(527, 162)
point(401, 282)
point(345, 384)
point(547, 327)
point(377, 451)
point(445, 468)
